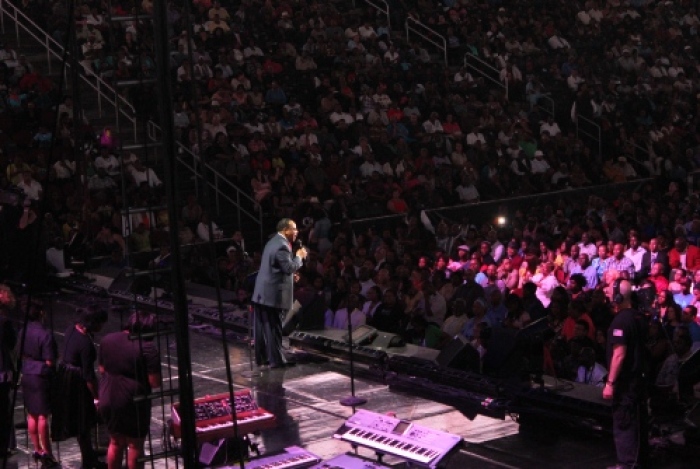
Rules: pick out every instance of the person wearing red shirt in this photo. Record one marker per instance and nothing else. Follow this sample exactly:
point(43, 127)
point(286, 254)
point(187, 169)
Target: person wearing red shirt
point(684, 255)
point(577, 312)
point(657, 277)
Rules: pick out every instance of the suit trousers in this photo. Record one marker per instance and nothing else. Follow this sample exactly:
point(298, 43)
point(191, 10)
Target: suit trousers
point(268, 336)
point(630, 425)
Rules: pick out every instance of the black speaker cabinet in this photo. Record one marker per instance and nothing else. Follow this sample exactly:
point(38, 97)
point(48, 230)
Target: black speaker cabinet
point(459, 354)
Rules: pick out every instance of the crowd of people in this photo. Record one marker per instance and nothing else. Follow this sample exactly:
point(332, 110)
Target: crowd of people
point(324, 113)
point(302, 102)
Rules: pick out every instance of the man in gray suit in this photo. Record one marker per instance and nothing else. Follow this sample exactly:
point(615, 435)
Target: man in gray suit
point(274, 292)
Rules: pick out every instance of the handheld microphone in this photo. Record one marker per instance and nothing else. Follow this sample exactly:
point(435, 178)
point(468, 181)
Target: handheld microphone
point(298, 244)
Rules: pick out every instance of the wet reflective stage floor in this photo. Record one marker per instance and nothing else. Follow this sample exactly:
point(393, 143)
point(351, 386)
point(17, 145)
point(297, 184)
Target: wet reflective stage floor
point(305, 401)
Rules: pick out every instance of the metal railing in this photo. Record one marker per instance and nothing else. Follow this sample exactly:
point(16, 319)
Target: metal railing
point(589, 128)
point(428, 34)
point(123, 108)
point(224, 189)
point(546, 104)
point(488, 211)
point(377, 5)
point(55, 50)
point(485, 69)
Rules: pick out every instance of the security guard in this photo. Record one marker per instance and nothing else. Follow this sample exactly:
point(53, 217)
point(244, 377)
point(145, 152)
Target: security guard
point(626, 384)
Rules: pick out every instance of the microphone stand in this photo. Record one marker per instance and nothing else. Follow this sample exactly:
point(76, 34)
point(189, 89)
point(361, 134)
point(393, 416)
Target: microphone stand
point(250, 374)
point(351, 400)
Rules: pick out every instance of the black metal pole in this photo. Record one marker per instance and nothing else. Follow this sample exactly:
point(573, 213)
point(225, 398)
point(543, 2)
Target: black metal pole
point(184, 363)
point(351, 400)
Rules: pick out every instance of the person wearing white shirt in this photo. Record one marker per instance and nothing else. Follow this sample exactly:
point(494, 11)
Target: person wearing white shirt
point(370, 166)
point(64, 169)
point(338, 114)
point(252, 51)
point(561, 176)
point(574, 80)
point(463, 75)
point(366, 282)
point(596, 14)
point(475, 136)
point(557, 42)
point(467, 191)
point(216, 23)
point(546, 282)
point(551, 127)
point(627, 168)
point(635, 253)
point(30, 186)
point(674, 70)
point(589, 371)
point(357, 317)
point(455, 323)
point(366, 31)
point(587, 247)
point(217, 10)
point(108, 162)
point(55, 256)
point(433, 124)
point(141, 174)
point(203, 229)
point(382, 99)
point(539, 165)
point(392, 55)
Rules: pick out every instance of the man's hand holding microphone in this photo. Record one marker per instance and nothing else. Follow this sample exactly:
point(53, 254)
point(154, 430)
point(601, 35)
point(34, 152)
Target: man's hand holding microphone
point(301, 250)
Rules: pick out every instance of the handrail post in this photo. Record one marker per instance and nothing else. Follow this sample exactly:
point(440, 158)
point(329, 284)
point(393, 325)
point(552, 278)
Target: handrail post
point(48, 56)
point(388, 17)
point(16, 26)
point(98, 85)
point(238, 202)
point(216, 189)
point(195, 170)
point(444, 42)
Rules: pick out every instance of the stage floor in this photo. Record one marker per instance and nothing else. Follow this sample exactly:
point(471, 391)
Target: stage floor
point(305, 401)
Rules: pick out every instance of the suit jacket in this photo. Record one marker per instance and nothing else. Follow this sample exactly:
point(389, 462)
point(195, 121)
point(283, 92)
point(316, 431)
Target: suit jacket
point(661, 257)
point(692, 258)
point(274, 286)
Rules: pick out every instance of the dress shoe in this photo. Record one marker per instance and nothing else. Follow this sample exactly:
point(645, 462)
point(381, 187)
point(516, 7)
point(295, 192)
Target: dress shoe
point(48, 461)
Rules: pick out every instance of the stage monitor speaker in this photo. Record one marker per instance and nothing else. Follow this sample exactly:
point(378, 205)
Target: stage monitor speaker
point(312, 317)
point(307, 314)
point(464, 458)
point(459, 354)
point(137, 285)
point(689, 375)
point(386, 340)
point(362, 335)
point(500, 358)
